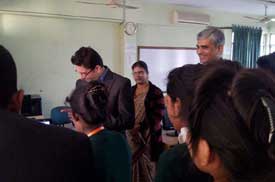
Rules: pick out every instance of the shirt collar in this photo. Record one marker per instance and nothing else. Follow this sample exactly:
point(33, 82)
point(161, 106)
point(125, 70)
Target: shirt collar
point(103, 75)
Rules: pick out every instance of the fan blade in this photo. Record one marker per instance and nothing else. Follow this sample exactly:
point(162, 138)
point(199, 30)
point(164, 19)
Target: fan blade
point(265, 20)
point(267, 1)
point(127, 6)
point(252, 18)
point(87, 2)
point(108, 4)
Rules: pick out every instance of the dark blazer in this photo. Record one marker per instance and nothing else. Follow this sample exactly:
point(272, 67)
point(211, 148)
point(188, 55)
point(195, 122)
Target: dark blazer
point(32, 152)
point(120, 103)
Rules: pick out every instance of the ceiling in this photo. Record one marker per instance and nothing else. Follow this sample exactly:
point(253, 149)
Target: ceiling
point(246, 7)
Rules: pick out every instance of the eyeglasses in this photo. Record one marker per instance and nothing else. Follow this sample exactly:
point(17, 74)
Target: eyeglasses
point(85, 74)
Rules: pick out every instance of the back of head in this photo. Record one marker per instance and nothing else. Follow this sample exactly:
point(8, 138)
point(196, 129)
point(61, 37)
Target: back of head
point(267, 62)
point(253, 93)
point(233, 65)
point(214, 34)
point(181, 84)
point(214, 118)
point(90, 102)
point(87, 57)
point(8, 77)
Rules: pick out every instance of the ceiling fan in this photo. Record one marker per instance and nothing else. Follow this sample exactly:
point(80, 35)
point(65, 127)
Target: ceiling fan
point(268, 1)
point(264, 19)
point(111, 3)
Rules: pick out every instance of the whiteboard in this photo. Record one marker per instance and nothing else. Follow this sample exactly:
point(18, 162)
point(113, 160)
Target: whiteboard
point(161, 61)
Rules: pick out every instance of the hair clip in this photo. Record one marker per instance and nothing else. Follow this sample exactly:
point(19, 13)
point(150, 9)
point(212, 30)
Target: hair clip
point(93, 90)
point(271, 122)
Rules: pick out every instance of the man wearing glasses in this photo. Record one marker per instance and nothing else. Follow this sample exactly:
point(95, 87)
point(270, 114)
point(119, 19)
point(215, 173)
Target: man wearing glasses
point(88, 63)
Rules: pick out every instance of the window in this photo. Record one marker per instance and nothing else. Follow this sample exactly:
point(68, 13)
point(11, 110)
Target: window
point(272, 43)
point(263, 46)
point(232, 45)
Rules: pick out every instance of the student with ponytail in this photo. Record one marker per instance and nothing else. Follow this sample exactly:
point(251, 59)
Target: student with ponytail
point(111, 153)
point(230, 125)
point(176, 164)
point(253, 93)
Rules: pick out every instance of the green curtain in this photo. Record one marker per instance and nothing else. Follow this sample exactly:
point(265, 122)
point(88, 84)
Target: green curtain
point(246, 47)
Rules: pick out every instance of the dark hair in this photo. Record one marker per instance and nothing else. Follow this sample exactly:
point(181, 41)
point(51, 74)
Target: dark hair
point(140, 64)
point(181, 84)
point(233, 65)
point(90, 101)
point(215, 118)
point(87, 57)
point(267, 62)
point(253, 93)
point(8, 77)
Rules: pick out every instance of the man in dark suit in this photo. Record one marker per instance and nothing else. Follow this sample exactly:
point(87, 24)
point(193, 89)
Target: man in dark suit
point(88, 63)
point(30, 151)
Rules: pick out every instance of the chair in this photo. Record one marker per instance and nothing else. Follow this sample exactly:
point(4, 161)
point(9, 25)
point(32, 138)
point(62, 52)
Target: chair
point(166, 123)
point(168, 126)
point(60, 118)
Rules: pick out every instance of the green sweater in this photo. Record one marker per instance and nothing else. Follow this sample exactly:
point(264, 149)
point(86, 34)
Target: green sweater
point(175, 165)
point(112, 157)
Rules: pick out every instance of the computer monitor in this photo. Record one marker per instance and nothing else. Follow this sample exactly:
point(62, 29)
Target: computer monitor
point(31, 105)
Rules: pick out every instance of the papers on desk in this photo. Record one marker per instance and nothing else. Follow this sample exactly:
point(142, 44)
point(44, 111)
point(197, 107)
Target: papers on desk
point(40, 119)
point(44, 122)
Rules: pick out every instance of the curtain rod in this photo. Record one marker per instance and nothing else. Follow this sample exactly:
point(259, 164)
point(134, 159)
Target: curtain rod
point(223, 28)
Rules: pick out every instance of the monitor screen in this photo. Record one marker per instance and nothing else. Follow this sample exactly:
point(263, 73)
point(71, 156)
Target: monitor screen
point(31, 105)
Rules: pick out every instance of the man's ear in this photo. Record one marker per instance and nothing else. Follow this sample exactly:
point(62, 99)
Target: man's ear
point(15, 104)
point(220, 48)
point(97, 67)
point(74, 117)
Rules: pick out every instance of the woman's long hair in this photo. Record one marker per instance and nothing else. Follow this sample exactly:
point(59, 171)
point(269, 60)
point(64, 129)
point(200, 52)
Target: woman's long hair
point(216, 116)
point(90, 102)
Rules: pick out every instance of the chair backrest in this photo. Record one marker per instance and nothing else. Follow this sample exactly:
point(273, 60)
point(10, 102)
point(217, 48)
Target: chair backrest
point(58, 117)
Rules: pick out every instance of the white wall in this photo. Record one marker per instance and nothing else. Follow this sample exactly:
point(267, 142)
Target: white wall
point(42, 48)
point(271, 27)
point(167, 35)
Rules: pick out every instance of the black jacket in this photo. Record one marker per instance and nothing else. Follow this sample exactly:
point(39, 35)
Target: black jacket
point(32, 152)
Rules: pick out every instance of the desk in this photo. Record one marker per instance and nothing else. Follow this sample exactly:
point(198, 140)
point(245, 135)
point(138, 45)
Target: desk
point(40, 119)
